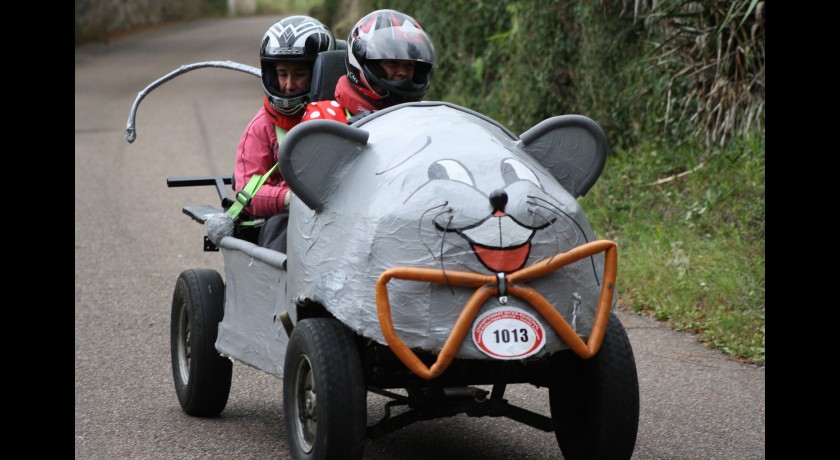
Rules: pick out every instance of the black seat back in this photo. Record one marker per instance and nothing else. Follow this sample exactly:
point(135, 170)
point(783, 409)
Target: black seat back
point(328, 68)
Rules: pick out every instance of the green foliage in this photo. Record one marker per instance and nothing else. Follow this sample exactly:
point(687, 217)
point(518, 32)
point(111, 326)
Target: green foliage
point(691, 238)
point(713, 52)
point(523, 61)
point(685, 71)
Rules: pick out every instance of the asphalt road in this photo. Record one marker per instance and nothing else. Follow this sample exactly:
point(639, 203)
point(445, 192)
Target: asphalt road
point(132, 241)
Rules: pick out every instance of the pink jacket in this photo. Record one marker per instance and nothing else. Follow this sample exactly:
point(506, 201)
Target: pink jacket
point(257, 150)
point(256, 154)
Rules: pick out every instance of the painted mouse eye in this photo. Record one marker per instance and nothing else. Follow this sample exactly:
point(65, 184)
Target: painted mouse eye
point(514, 170)
point(451, 170)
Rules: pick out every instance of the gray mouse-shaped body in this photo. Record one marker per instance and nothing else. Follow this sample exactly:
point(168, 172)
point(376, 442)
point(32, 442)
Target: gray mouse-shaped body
point(439, 186)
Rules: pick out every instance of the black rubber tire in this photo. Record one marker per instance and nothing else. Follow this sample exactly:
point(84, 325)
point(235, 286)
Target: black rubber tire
point(595, 402)
point(324, 392)
point(202, 376)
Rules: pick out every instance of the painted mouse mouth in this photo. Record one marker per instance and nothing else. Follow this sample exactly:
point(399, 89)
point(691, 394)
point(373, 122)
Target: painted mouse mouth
point(501, 243)
point(505, 260)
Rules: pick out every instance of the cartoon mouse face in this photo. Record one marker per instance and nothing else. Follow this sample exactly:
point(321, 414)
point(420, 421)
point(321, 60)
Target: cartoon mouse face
point(439, 186)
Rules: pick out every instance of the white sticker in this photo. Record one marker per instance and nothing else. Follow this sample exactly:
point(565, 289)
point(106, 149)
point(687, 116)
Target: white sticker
point(508, 333)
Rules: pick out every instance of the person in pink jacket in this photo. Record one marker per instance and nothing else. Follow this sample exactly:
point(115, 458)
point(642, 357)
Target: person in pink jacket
point(389, 60)
point(287, 52)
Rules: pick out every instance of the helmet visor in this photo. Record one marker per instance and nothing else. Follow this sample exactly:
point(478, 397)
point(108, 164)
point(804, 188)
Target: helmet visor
point(406, 43)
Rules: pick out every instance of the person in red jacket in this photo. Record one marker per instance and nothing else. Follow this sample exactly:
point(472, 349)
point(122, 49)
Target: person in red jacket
point(389, 60)
point(287, 52)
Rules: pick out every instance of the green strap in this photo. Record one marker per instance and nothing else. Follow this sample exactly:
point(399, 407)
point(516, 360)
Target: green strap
point(243, 197)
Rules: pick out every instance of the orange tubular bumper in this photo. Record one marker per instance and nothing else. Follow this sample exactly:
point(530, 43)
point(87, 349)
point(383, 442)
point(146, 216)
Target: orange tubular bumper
point(486, 286)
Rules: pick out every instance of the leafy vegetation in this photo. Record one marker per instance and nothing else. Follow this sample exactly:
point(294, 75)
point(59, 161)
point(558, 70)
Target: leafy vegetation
point(691, 239)
point(714, 52)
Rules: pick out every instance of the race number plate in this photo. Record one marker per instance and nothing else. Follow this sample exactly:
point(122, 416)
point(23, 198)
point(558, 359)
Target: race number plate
point(508, 333)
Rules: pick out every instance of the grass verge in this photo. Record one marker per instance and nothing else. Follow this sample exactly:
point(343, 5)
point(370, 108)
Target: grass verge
point(690, 232)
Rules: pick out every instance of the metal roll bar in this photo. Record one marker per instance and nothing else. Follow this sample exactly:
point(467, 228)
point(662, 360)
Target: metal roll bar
point(131, 133)
point(489, 285)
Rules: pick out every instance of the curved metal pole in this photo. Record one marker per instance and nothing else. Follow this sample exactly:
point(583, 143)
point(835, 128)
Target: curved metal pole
point(130, 132)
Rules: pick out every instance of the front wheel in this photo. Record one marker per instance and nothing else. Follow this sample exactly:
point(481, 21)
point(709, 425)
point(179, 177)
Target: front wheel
point(324, 393)
point(202, 376)
point(595, 402)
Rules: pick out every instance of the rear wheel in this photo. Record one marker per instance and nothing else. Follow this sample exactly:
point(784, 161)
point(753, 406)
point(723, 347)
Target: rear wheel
point(324, 393)
point(202, 376)
point(595, 402)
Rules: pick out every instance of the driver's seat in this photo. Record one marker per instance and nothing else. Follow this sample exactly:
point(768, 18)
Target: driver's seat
point(328, 68)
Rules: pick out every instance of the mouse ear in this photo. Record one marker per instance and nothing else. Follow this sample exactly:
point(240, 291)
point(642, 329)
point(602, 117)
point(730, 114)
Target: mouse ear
point(572, 147)
point(314, 157)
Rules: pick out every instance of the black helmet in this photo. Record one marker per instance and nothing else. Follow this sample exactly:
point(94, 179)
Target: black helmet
point(296, 38)
point(389, 34)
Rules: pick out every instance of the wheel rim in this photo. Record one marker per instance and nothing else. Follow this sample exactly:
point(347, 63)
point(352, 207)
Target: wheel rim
point(184, 350)
point(305, 408)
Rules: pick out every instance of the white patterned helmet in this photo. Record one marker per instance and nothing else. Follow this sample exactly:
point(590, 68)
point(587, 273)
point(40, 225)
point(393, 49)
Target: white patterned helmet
point(296, 38)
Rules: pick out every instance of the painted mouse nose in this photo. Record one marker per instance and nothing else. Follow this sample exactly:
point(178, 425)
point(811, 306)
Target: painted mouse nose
point(498, 200)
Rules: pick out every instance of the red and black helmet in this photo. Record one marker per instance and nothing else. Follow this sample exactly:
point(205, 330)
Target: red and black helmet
point(389, 34)
point(296, 38)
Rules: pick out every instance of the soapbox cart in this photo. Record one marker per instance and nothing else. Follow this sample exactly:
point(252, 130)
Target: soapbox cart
point(434, 259)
